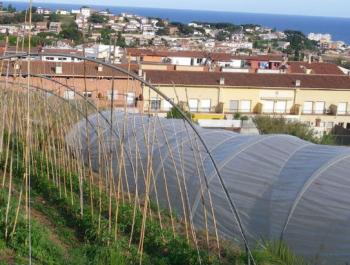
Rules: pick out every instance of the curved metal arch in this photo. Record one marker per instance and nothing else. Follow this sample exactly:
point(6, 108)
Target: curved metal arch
point(86, 101)
point(246, 146)
point(301, 147)
point(308, 184)
point(116, 133)
point(172, 140)
point(232, 204)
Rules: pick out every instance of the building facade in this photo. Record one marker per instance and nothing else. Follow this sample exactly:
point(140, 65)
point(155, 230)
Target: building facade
point(322, 101)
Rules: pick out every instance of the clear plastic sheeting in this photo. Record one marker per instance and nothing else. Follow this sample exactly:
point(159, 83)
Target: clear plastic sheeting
point(283, 187)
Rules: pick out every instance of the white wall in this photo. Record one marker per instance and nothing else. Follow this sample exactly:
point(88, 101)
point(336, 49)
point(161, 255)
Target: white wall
point(185, 61)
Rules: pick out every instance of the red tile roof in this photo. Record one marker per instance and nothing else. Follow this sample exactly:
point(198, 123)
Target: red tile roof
point(248, 80)
point(69, 69)
point(216, 56)
point(316, 68)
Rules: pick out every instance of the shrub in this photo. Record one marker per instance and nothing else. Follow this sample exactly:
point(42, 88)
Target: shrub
point(273, 125)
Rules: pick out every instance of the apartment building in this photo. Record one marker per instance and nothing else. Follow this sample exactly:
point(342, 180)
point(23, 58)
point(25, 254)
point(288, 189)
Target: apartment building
point(225, 62)
point(319, 96)
point(320, 100)
point(96, 82)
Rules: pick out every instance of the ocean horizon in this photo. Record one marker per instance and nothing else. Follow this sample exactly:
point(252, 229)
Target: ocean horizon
point(339, 28)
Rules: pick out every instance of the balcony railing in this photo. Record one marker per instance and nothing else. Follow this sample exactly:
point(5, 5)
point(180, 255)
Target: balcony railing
point(238, 110)
point(326, 112)
point(314, 112)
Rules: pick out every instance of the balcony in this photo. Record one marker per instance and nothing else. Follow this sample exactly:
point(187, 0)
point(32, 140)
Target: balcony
point(326, 112)
point(242, 111)
point(314, 112)
point(343, 113)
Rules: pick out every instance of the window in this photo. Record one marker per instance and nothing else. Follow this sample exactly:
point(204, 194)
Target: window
point(319, 107)
point(264, 65)
point(329, 125)
point(69, 94)
point(130, 98)
point(245, 106)
point(280, 107)
point(205, 105)
point(155, 103)
point(342, 108)
point(111, 96)
point(268, 106)
point(199, 60)
point(307, 107)
point(234, 105)
point(166, 105)
point(193, 104)
point(87, 94)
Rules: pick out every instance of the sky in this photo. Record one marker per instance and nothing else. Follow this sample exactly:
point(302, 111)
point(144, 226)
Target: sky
point(329, 8)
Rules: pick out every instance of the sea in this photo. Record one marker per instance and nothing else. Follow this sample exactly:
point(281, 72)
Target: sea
point(339, 28)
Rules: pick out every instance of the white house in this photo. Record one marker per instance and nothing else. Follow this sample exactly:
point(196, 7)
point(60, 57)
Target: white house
point(85, 11)
point(62, 12)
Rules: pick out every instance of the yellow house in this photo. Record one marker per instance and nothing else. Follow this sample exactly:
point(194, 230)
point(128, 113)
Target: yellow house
point(320, 100)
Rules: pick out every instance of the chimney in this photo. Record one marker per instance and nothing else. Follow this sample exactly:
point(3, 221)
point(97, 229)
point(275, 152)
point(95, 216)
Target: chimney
point(58, 69)
point(297, 83)
point(222, 81)
point(17, 66)
point(320, 59)
point(140, 72)
point(100, 68)
point(310, 59)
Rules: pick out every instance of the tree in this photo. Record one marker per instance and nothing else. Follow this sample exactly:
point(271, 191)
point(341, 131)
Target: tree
point(97, 18)
point(120, 40)
point(222, 35)
point(106, 35)
point(34, 9)
point(174, 113)
point(37, 17)
point(161, 23)
point(299, 43)
point(71, 32)
point(279, 125)
point(54, 17)
point(184, 29)
point(10, 9)
point(162, 32)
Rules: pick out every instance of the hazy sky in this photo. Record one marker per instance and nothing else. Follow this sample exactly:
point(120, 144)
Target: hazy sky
point(334, 8)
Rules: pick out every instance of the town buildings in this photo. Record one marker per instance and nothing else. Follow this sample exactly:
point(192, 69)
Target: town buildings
point(319, 100)
point(314, 93)
point(214, 78)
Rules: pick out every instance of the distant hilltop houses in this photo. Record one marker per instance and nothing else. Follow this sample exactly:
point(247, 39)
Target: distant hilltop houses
point(62, 28)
